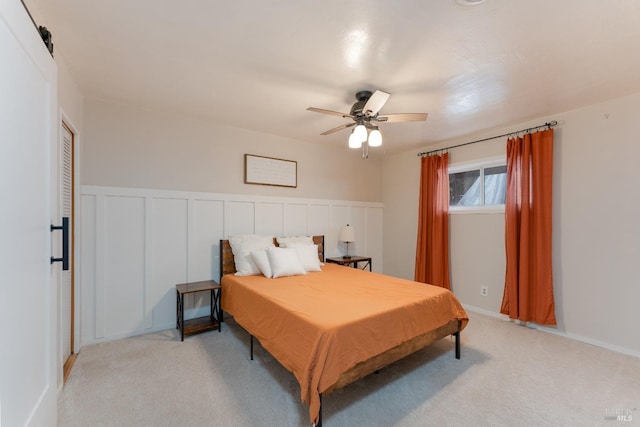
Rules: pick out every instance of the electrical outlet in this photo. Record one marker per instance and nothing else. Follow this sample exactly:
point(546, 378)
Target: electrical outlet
point(484, 291)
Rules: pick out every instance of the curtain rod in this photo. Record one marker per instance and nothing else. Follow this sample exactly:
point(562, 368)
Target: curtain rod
point(548, 125)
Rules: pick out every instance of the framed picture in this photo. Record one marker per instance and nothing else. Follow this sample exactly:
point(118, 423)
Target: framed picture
point(270, 171)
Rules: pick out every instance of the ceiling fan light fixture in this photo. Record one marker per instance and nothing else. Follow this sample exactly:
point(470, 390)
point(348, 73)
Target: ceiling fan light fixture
point(375, 138)
point(354, 141)
point(365, 115)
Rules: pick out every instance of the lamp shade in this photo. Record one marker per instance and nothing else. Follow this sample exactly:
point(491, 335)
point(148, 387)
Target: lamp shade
point(347, 234)
point(375, 138)
point(360, 132)
point(354, 141)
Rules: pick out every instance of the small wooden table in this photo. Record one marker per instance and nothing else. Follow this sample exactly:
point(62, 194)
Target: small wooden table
point(352, 260)
point(199, 324)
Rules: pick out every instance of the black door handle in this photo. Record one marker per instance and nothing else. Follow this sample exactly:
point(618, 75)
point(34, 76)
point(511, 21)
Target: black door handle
point(65, 242)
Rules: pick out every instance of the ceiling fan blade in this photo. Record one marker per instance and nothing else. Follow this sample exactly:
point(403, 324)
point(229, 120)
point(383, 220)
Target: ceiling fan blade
point(375, 103)
point(403, 117)
point(330, 112)
point(336, 129)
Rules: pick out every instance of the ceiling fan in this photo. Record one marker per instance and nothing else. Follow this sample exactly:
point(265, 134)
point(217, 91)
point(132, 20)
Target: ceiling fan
point(365, 115)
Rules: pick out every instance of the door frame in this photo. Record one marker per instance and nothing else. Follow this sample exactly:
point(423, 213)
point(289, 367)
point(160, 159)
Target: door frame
point(65, 120)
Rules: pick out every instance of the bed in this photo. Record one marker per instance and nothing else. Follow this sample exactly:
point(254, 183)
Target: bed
point(333, 327)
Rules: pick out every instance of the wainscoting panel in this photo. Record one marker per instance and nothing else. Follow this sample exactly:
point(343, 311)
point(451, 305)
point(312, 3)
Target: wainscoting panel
point(373, 227)
point(240, 217)
point(296, 219)
point(168, 255)
point(269, 219)
point(318, 222)
point(358, 219)
point(205, 231)
point(88, 283)
point(137, 244)
point(122, 270)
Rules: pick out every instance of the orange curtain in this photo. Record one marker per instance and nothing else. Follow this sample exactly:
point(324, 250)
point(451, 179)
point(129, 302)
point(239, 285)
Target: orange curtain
point(432, 251)
point(528, 290)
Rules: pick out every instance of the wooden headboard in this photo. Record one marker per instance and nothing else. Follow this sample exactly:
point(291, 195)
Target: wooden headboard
point(228, 266)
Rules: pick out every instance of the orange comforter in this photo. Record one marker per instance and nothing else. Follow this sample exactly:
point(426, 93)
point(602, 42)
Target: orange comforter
point(324, 323)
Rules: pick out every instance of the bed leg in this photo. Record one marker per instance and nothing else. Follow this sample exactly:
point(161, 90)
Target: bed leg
point(251, 346)
point(457, 335)
point(319, 423)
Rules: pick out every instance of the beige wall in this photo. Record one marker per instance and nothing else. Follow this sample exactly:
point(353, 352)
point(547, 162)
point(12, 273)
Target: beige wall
point(400, 185)
point(70, 98)
point(596, 239)
point(129, 147)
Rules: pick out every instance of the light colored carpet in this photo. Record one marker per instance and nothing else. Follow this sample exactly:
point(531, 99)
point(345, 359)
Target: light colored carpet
point(509, 375)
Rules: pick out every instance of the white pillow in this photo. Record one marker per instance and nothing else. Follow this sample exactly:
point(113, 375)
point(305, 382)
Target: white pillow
point(262, 261)
point(285, 262)
point(308, 255)
point(242, 246)
point(285, 242)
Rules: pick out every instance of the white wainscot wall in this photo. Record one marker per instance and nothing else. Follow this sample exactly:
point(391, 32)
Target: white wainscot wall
point(137, 244)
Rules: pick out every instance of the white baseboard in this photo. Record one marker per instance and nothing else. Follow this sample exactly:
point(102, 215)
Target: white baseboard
point(161, 327)
point(565, 334)
point(483, 311)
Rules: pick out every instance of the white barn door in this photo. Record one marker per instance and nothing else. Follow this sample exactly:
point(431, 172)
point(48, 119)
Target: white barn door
point(28, 186)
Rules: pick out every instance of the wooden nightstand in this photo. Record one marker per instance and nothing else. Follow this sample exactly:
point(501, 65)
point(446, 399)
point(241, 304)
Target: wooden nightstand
point(352, 260)
point(200, 324)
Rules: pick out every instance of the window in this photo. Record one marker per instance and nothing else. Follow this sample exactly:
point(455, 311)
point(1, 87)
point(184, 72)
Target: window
point(478, 187)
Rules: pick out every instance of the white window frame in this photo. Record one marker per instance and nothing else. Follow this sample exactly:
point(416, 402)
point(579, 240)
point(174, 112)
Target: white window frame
point(477, 165)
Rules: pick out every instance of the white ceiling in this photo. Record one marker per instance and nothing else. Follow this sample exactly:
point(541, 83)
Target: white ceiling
point(258, 64)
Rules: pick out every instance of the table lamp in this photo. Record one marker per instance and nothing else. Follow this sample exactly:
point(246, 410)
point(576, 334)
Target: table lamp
point(347, 235)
